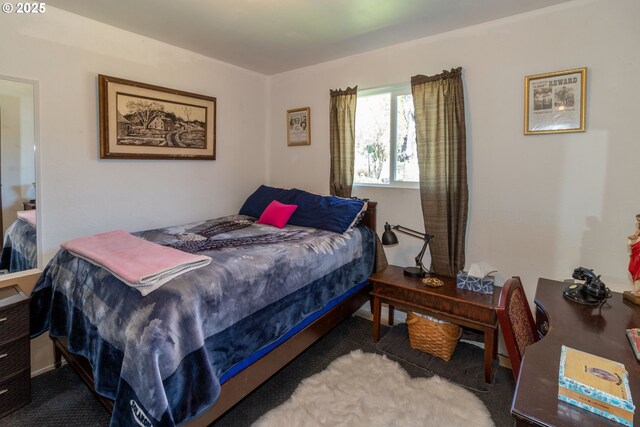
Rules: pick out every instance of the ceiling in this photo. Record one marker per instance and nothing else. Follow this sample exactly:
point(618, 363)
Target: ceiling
point(272, 36)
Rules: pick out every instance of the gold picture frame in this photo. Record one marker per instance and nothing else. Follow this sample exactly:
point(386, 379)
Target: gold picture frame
point(299, 127)
point(555, 102)
point(142, 121)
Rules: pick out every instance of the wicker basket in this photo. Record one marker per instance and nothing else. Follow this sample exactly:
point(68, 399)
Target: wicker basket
point(439, 339)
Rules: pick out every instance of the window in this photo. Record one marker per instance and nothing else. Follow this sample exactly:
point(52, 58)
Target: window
point(386, 138)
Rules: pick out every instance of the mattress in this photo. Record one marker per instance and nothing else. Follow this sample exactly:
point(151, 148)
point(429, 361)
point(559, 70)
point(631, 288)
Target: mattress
point(163, 357)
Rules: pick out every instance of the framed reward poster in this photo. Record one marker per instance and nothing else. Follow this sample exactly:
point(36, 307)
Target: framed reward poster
point(555, 102)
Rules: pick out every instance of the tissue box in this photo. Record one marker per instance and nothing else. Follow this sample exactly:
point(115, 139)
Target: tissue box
point(483, 285)
point(596, 384)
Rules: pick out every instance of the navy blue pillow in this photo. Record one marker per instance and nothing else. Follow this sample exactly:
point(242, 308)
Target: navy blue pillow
point(260, 199)
point(325, 212)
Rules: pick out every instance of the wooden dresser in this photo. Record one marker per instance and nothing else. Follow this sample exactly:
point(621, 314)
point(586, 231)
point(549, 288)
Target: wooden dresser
point(15, 366)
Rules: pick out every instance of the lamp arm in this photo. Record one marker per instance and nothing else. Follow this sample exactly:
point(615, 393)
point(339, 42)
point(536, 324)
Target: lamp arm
point(389, 238)
point(424, 236)
point(411, 232)
point(421, 254)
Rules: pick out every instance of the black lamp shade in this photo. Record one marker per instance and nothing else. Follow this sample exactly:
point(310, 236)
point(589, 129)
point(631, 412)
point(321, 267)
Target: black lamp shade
point(389, 237)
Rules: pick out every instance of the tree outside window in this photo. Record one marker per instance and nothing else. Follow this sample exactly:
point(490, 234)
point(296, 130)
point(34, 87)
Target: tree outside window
point(385, 138)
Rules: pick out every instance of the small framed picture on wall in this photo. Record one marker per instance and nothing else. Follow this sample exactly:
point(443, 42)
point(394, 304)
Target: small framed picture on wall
point(299, 126)
point(555, 102)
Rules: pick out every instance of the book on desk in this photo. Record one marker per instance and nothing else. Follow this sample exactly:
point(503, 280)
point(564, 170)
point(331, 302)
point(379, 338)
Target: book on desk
point(634, 340)
point(596, 384)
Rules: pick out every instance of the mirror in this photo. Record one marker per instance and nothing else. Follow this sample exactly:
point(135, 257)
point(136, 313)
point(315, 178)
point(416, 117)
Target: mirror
point(18, 139)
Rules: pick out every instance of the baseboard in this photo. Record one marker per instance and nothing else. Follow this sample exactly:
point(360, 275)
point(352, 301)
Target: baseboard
point(46, 369)
point(365, 313)
point(504, 361)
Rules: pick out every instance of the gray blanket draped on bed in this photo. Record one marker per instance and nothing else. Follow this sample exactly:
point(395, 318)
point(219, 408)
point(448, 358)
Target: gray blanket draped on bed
point(20, 241)
point(161, 357)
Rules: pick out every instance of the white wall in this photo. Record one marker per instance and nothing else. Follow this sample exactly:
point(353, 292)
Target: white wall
point(540, 205)
point(80, 194)
point(10, 155)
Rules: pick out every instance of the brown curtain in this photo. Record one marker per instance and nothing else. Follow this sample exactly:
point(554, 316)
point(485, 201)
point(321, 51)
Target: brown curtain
point(342, 126)
point(442, 161)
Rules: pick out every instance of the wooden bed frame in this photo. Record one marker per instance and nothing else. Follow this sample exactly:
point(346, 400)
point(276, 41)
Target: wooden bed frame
point(243, 383)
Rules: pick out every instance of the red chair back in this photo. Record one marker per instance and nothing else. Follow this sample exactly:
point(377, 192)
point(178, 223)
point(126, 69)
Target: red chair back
point(516, 322)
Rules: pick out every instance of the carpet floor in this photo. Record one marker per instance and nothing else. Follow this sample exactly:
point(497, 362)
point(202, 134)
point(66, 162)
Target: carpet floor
point(60, 399)
point(468, 359)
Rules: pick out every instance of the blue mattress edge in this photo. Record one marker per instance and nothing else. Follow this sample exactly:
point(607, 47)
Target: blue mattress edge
point(240, 366)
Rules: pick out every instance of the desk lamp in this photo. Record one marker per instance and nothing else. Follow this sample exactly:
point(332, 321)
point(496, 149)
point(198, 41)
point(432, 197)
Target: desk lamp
point(390, 238)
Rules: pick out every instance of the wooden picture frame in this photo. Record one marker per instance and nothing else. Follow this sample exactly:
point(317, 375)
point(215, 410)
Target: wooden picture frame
point(555, 102)
point(299, 126)
point(142, 121)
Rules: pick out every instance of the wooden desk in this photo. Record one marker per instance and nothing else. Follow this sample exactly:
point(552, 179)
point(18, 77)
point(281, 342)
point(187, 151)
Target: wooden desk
point(580, 327)
point(466, 308)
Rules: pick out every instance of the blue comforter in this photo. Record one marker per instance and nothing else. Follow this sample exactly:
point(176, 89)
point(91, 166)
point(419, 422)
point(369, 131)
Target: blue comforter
point(162, 357)
point(20, 240)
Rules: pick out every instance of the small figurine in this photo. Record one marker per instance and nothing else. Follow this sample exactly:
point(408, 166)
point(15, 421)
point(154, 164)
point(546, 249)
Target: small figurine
point(634, 264)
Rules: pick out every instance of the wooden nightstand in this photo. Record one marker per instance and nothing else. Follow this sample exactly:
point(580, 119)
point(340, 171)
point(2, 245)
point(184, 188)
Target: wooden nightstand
point(466, 308)
point(15, 365)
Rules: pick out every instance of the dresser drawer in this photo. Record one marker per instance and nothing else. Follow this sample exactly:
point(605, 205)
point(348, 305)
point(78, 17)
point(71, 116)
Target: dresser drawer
point(15, 392)
point(14, 321)
point(14, 357)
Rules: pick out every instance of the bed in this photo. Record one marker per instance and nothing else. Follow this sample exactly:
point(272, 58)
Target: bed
point(191, 349)
point(19, 249)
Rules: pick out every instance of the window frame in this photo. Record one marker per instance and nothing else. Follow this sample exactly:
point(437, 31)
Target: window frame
point(394, 91)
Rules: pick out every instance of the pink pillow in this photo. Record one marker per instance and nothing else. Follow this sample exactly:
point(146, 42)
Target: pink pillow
point(277, 214)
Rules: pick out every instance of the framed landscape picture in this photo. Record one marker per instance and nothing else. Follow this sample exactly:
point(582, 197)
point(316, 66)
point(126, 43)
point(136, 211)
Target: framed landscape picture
point(142, 121)
point(299, 126)
point(555, 102)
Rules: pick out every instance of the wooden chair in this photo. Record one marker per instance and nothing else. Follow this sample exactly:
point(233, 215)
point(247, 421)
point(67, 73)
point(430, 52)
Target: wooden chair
point(516, 322)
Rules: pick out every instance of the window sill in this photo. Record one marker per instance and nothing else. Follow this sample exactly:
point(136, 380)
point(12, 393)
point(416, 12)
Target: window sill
point(404, 185)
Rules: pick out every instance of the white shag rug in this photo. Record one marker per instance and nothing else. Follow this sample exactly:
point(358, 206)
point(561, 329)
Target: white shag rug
point(366, 389)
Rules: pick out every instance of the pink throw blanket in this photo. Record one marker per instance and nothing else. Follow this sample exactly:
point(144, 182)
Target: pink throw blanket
point(137, 262)
point(28, 217)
